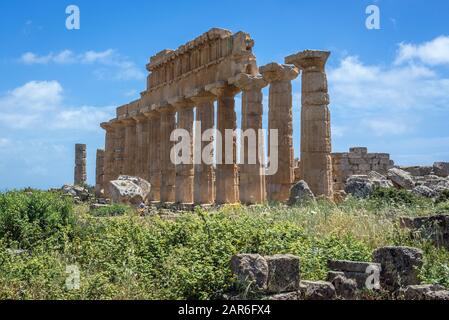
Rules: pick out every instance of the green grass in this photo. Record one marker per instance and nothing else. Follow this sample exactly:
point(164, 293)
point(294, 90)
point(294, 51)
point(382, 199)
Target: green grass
point(129, 257)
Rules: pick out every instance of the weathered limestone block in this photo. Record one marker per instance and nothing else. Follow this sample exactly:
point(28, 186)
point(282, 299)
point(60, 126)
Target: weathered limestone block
point(400, 266)
point(300, 193)
point(401, 178)
point(227, 190)
point(316, 161)
point(353, 270)
point(317, 290)
point(283, 273)
point(418, 171)
point(441, 169)
point(129, 190)
point(280, 119)
point(425, 192)
point(204, 186)
point(424, 292)
point(435, 228)
point(359, 186)
point(80, 175)
point(345, 288)
point(252, 175)
point(250, 269)
point(289, 296)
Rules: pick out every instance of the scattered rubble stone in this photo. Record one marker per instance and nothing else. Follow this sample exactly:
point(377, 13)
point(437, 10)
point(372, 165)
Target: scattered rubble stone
point(423, 191)
point(401, 178)
point(399, 266)
point(345, 288)
point(250, 269)
point(354, 270)
point(283, 273)
point(435, 228)
point(317, 290)
point(129, 190)
point(359, 186)
point(441, 169)
point(300, 193)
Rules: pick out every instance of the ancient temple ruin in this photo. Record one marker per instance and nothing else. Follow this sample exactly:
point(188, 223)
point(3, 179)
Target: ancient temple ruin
point(183, 86)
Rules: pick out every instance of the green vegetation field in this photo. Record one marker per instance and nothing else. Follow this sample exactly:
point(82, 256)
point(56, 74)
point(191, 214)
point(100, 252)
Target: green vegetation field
point(122, 255)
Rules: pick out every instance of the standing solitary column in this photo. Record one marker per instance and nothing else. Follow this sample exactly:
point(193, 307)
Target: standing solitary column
point(280, 118)
point(252, 170)
point(130, 147)
point(168, 169)
point(141, 145)
point(80, 164)
point(185, 171)
point(204, 171)
point(227, 190)
point(316, 162)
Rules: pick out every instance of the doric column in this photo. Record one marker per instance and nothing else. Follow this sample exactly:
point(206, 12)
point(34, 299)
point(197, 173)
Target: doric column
point(204, 190)
point(168, 169)
point(108, 159)
point(185, 171)
point(280, 119)
point(141, 145)
point(227, 190)
point(118, 167)
point(99, 173)
point(80, 176)
point(316, 162)
point(252, 175)
point(130, 147)
point(154, 153)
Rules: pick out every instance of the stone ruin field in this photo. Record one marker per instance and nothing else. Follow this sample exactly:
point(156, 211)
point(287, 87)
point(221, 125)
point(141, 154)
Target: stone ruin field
point(329, 225)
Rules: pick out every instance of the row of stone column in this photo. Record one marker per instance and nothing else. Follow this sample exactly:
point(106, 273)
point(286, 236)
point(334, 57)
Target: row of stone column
point(140, 145)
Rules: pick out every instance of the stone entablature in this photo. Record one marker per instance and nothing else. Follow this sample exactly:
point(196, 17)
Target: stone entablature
point(358, 162)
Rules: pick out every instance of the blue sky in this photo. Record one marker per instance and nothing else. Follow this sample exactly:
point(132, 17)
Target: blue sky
point(389, 87)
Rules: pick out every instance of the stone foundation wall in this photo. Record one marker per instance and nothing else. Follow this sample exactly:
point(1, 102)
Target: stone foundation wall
point(358, 162)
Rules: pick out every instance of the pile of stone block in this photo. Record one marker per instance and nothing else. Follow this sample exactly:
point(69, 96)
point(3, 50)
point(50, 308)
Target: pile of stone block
point(394, 271)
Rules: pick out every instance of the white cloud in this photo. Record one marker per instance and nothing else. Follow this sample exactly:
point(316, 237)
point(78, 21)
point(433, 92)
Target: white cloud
point(434, 52)
point(381, 127)
point(112, 64)
point(371, 87)
point(39, 105)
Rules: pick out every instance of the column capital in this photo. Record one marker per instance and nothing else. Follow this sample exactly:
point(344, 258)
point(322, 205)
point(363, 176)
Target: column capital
point(274, 72)
point(106, 126)
point(128, 122)
point(248, 82)
point(309, 60)
point(140, 117)
point(222, 88)
point(150, 112)
point(180, 103)
point(202, 96)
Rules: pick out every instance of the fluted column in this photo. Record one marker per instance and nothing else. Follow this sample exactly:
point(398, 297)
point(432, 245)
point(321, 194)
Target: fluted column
point(185, 171)
point(252, 170)
point(227, 190)
point(119, 149)
point(130, 147)
point(99, 173)
point(316, 161)
point(154, 153)
point(108, 161)
point(280, 118)
point(204, 190)
point(80, 176)
point(168, 169)
point(141, 145)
